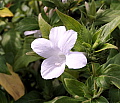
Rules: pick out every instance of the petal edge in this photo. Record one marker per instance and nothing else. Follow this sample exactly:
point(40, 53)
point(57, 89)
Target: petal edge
point(42, 47)
point(76, 60)
point(52, 67)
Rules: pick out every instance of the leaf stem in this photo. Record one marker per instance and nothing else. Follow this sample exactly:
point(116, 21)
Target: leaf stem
point(93, 70)
point(98, 93)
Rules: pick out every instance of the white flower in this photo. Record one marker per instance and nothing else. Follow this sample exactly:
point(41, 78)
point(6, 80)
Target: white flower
point(36, 33)
point(57, 51)
point(45, 9)
point(64, 1)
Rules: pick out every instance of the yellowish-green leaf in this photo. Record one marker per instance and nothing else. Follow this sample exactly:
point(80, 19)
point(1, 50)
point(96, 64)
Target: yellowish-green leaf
point(70, 22)
point(12, 84)
point(31, 53)
point(106, 46)
point(93, 8)
point(5, 12)
point(79, 1)
point(44, 27)
point(73, 24)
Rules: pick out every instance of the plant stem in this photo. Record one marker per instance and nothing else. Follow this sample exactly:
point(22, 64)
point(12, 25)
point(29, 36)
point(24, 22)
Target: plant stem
point(93, 70)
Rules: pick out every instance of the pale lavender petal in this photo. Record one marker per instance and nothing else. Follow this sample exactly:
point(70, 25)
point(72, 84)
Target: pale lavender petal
point(64, 1)
point(63, 39)
point(30, 32)
point(67, 41)
point(36, 33)
point(76, 60)
point(56, 34)
point(42, 47)
point(52, 67)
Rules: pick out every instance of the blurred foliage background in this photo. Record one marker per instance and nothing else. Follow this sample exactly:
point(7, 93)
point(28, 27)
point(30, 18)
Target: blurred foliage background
point(97, 23)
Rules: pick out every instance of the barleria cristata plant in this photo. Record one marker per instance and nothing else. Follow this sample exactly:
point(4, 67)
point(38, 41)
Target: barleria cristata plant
point(59, 51)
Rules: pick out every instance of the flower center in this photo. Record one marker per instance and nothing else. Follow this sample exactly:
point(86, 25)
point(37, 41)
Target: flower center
point(61, 55)
point(61, 59)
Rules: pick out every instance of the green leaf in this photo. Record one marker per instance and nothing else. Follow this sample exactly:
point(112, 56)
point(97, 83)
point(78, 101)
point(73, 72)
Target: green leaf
point(69, 22)
point(47, 89)
point(2, 4)
point(31, 97)
point(112, 53)
point(67, 99)
point(72, 72)
point(115, 6)
point(63, 99)
point(103, 82)
point(106, 46)
point(95, 38)
point(92, 8)
point(44, 27)
point(2, 25)
point(66, 75)
point(21, 55)
point(100, 100)
point(73, 24)
point(97, 100)
point(3, 66)
point(76, 88)
point(58, 3)
point(102, 35)
point(55, 20)
point(48, 3)
point(11, 41)
point(114, 60)
point(119, 26)
point(28, 23)
point(106, 16)
point(58, 90)
point(90, 83)
point(33, 5)
point(114, 95)
point(9, 56)
point(109, 75)
point(108, 28)
point(3, 98)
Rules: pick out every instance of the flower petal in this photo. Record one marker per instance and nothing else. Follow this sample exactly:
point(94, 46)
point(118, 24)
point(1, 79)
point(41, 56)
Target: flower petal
point(67, 41)
point(63, 39)
point(42, 47)
point(64, 1)
point(31, 32)
point(56, 34)
point(76, 60)
point(52, 67)
point(37, 34)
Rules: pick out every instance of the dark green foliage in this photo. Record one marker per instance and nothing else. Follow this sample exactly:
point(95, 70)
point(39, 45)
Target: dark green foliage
point(97, 23)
